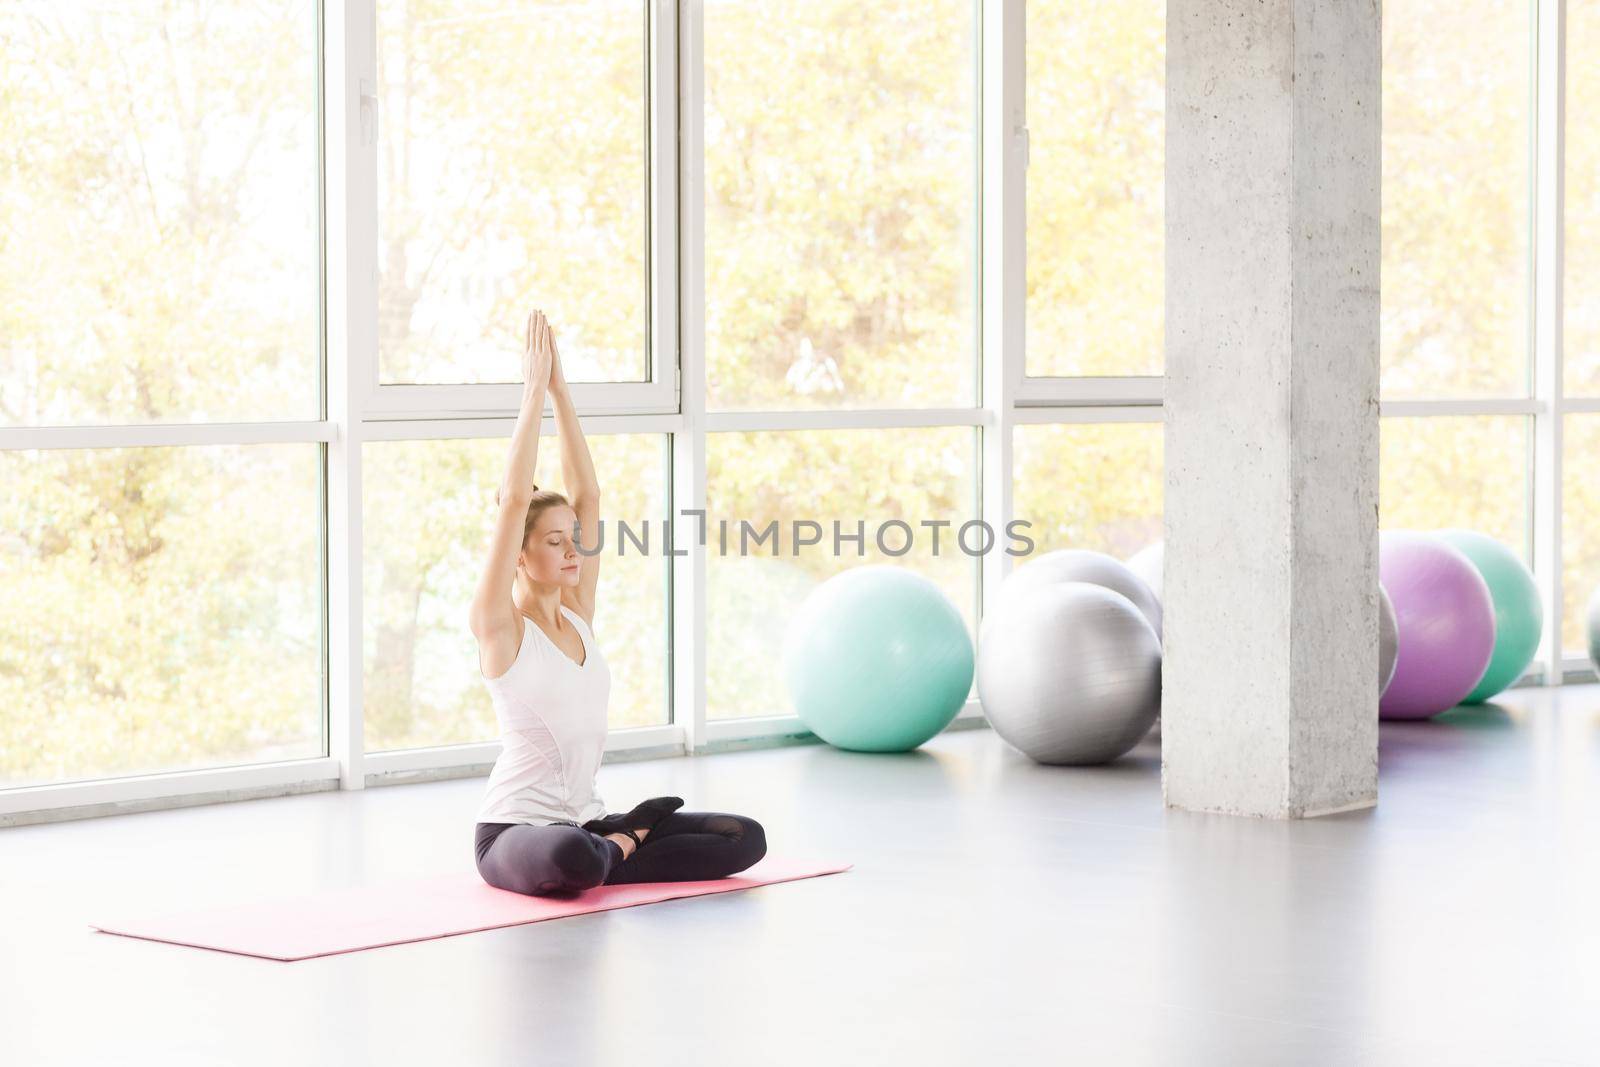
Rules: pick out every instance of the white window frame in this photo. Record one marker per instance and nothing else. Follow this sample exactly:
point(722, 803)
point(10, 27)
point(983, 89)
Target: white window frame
point(376, 401)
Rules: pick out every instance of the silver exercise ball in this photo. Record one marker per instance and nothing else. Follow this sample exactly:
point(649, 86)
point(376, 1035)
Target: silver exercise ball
point(1095, 568)
point(1388, 641)
point(1069, 672)
point(1147, 564)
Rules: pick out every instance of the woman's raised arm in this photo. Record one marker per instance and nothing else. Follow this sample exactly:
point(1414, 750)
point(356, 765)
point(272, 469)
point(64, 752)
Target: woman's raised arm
point(492, 607)
point(583, 488)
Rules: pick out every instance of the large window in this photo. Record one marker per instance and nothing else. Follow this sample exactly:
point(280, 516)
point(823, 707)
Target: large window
point(1582, 249)
point(1095, 486)
point(1096, 97)
point(1580, 534)
point(840, 204)
point(511, 174)
point(1455, 265)
point(162, 610)
point(1468, 472)
point(158, 171)
point(883, 493)
point(159, 282)
point(841, 274)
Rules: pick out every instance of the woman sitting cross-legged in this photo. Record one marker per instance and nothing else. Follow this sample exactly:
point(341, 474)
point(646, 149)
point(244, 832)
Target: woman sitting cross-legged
point(542, 827)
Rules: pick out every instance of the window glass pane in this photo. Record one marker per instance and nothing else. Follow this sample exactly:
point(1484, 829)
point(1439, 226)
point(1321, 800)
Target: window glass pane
point(159, 249)
point(866, 477)
point(1581, 294)
point(1097, 486)
point(1468, 472)
point(1454, 270)
point(1096, 105)
point(840, 204)
point(511, 176)
point(1580, 528)
point(162, 610)
point(427, 515)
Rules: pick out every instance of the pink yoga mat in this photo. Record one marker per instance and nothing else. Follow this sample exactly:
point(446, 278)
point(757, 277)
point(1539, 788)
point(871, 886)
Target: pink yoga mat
point(373, 916)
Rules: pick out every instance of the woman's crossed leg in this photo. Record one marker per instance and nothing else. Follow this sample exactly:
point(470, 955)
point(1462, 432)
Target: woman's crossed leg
point(563, 859)
point(693, 846)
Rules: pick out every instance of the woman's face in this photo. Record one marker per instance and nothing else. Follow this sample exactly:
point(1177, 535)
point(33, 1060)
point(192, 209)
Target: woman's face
point(550, 555)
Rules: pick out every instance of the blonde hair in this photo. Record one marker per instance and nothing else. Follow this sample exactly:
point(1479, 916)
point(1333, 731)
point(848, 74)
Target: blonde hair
point(542, 500)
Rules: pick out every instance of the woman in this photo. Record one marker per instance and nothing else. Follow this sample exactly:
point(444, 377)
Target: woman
point(542, 826)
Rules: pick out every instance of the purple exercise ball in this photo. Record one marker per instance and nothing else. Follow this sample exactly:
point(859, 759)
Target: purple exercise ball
point(1445, 617)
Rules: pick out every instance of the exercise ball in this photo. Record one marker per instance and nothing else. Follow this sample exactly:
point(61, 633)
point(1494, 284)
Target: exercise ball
point(1518, 611)
point(877, 659)
point(1147, 564)
point(1444, 619)
point(1388, 641)
point(1083, 565)
point(1069, 672)
point(1592, 627)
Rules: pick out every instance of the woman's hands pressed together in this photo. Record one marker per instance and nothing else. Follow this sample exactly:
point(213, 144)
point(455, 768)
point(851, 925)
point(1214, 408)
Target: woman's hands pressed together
point(558, 381)
point(538, 353)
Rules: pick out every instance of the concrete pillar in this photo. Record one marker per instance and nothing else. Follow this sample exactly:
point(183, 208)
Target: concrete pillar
point(1270, 673)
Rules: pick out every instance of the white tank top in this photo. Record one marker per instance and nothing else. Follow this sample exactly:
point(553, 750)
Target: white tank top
point(552, 717)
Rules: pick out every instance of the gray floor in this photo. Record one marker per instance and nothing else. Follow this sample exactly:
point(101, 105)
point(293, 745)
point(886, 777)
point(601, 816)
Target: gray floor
point(998, 911)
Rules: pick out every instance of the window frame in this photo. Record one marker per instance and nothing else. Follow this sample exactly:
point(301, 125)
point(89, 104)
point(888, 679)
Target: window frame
point(379, 401)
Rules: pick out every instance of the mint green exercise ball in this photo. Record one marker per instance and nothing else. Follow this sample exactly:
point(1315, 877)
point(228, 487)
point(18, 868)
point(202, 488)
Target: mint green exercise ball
point(877, 659)
point(1518, 611)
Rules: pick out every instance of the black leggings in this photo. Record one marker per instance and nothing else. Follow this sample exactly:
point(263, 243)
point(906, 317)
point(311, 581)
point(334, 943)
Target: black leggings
point(562, 858)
